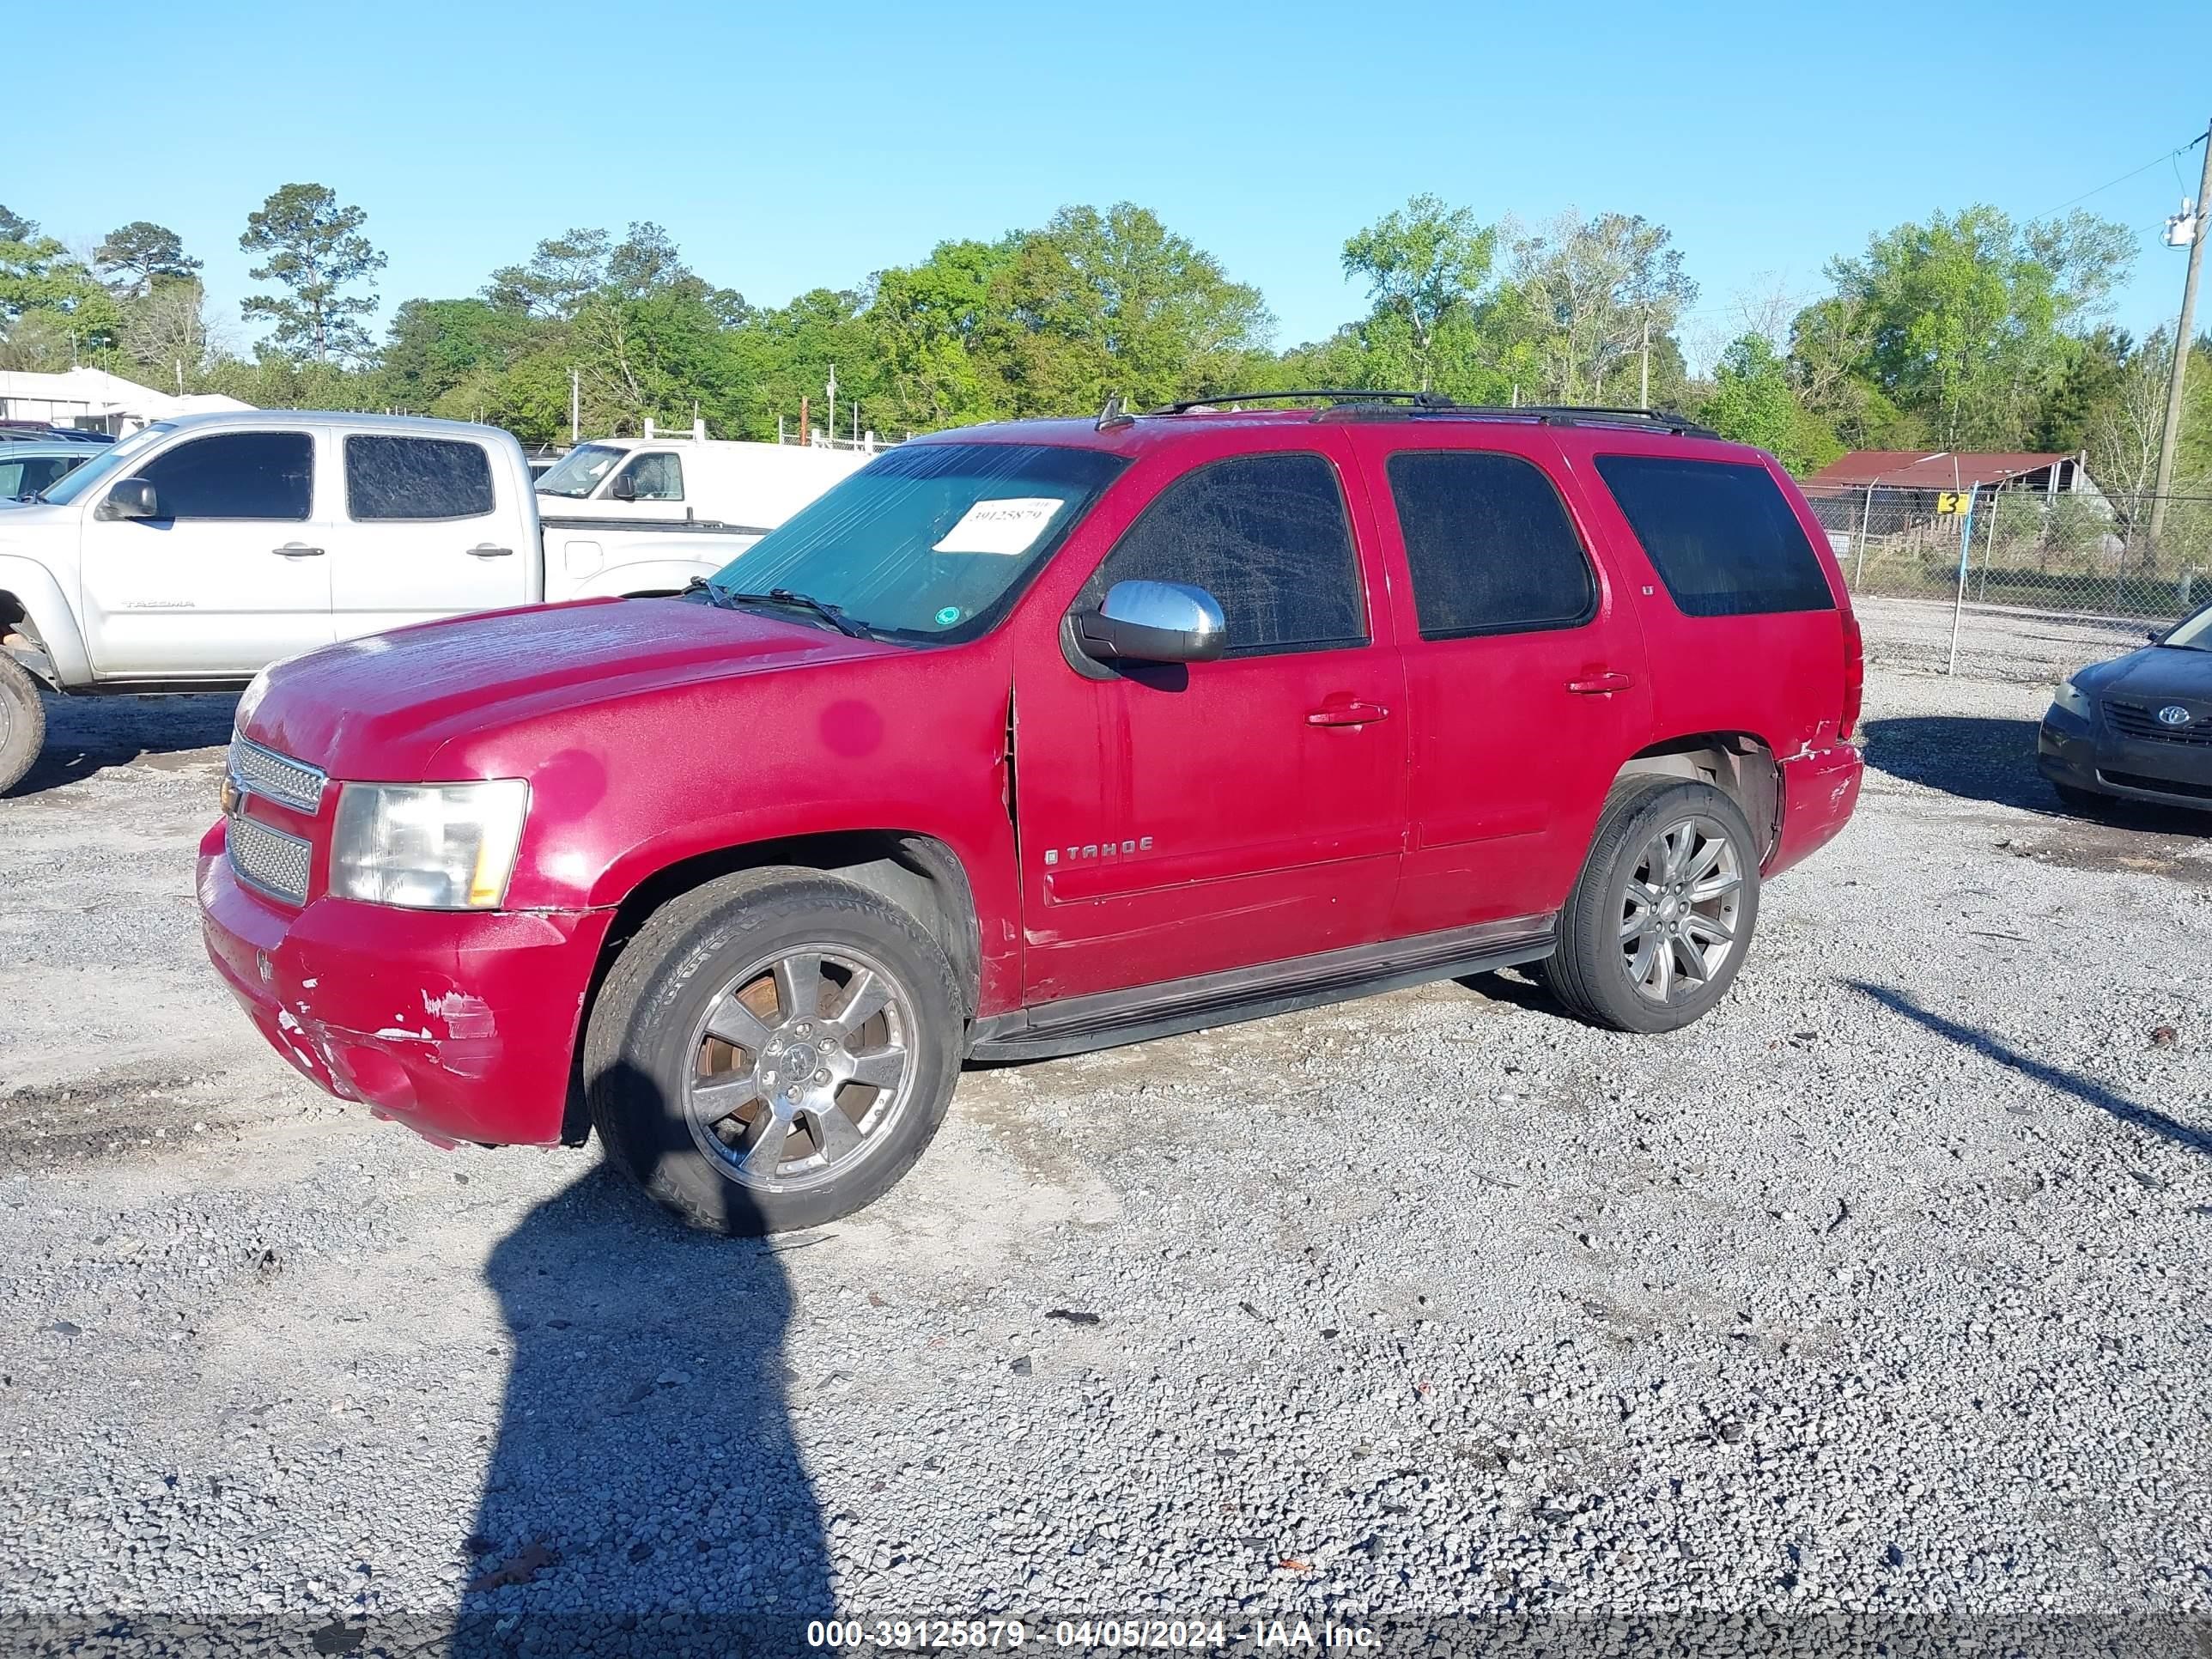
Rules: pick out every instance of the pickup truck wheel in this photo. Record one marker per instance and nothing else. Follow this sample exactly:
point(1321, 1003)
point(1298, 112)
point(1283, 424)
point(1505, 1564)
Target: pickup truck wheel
point(22, 722)
point(1658, 924)
point(773, 1050)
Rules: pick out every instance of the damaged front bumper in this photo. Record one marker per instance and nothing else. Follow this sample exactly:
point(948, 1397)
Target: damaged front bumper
point(461, 1025)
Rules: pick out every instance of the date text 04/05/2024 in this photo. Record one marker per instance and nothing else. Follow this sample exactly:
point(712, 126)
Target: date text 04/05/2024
point(1118, 1635)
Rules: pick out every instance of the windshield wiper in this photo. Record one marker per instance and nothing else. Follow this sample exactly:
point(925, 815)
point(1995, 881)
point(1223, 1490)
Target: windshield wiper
point(834, 615)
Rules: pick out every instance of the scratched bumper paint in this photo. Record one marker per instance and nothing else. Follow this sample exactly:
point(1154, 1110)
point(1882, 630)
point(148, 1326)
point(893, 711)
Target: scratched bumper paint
point(1820, 788)
point(460, 1026)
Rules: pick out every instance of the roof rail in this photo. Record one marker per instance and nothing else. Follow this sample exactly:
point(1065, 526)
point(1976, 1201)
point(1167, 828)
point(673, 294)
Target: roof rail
point(1436, 403)
point(1587, 414)
point(1419, 399)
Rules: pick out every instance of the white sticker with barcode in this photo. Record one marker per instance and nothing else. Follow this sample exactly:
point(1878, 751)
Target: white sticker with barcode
point(1010, 525)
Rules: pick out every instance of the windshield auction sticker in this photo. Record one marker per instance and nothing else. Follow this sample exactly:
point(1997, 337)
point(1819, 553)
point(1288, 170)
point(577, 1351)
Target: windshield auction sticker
point(1007, 526)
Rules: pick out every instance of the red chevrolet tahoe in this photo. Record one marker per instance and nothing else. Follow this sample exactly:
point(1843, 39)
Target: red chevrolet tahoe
point(1037, 737)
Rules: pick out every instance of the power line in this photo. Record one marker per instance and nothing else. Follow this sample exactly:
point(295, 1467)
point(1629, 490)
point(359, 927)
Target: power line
point(2176, 151)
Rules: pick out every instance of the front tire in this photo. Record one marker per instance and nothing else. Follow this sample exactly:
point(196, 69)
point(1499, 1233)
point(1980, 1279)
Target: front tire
point(1658, 924)
point(773, 1050)
point(22, 722)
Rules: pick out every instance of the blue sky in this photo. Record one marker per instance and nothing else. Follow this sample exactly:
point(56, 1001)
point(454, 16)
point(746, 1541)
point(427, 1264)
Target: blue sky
point(794, 145)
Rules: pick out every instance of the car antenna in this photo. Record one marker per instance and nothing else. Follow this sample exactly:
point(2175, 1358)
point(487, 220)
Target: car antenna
point(1115, 414)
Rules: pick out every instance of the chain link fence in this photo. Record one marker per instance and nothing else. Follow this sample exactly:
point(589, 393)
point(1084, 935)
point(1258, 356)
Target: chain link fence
point(2021, 582)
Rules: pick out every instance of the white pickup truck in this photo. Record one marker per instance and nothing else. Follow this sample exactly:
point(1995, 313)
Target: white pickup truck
point(196, 552)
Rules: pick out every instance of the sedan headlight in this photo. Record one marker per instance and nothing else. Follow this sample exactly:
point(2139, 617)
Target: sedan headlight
point(2069, 696)
point(429, 846)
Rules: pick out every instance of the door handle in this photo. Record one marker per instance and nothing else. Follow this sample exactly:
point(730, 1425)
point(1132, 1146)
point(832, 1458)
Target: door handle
point(486, 551)
point(1352, 713)
point(297, 551)
point(1591, 685)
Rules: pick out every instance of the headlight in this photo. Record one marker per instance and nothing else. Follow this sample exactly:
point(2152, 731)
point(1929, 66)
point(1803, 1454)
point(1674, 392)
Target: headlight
point(2069, 697)
point(428, 847)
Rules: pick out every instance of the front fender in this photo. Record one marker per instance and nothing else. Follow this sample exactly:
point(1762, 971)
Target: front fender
point(48, 610)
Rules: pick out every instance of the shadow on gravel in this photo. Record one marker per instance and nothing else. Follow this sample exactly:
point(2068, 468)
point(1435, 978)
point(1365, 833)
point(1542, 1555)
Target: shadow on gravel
point(86, 734)
point(2082, 1088)
point(1987, 759)
point(646, 1493)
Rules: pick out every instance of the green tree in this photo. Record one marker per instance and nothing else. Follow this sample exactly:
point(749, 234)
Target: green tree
point(134, 257)
point(1962, 316)
point(435, 345)
point(1753, 402)
point(54, 311)
point(1424, 265)
point(1588, 295)
point(314, 247)
point(561, 273)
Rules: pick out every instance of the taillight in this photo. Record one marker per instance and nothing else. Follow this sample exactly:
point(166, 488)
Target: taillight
point(1854, 673)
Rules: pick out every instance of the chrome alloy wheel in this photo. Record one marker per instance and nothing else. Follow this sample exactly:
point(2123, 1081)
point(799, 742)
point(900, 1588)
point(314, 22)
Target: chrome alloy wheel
point(1678, 917)
point(801, 1064)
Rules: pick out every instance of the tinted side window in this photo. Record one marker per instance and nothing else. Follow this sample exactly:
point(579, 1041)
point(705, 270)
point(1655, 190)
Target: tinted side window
point(1490, 545)
point(415, 479)
point(1267, 535)
point(1720, 533)
point(658, 477)
point(235, 475)
point(23, 475)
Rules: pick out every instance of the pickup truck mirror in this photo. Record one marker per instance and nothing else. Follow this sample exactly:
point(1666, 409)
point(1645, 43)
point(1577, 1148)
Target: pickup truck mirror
point(623, 488)
point(1154, 622)
point(131, 498)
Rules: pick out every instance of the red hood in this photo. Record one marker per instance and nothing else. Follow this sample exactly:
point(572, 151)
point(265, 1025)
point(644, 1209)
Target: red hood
point(382, 708)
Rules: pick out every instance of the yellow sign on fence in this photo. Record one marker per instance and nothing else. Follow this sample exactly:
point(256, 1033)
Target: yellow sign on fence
point(1953, 501)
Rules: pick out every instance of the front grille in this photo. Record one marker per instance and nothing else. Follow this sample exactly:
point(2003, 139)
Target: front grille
point(269, 859)
point(264, 772)
point(2135, 719)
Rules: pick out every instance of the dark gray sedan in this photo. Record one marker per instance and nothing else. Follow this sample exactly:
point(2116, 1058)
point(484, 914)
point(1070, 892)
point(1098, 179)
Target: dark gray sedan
point(2138, 727)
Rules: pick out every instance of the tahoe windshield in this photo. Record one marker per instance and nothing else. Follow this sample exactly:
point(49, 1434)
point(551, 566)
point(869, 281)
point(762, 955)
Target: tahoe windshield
point(113, 462)
point(2193, 633)
point(931, 541)
point(578, 473)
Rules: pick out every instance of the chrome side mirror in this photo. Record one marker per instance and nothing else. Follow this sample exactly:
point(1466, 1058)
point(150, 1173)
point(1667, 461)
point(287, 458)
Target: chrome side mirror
point(131, 498)
point(1154, 622)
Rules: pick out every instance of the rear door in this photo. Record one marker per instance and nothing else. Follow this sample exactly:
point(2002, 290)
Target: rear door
point(422, 530)
point(1742, 615)
point(234, 574)
point(1178, 820)
point(1525, 673)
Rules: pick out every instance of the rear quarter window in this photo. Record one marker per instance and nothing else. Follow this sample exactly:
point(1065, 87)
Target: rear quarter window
point(397, 478)
point(1721, 535)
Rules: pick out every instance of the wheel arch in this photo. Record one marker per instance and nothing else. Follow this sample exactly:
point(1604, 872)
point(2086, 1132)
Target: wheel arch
point(1742, 765)
point(918, 872)
point(36, 627)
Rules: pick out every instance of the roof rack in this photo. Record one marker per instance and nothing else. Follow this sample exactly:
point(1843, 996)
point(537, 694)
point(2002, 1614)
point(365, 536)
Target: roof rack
point(1365, 403)
point(1419, 399)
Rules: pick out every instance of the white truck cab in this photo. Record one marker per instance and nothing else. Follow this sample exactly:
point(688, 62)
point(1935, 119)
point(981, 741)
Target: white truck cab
point(688, 478)
point(192, 554)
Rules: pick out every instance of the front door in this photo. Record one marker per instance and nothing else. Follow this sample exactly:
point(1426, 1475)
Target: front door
point(420, 534)
point(1187, 819)
point(233, 573)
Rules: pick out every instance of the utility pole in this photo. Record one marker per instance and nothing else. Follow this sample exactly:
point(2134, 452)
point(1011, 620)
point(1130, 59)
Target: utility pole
point(2182, 335)
point(575, 405)
point(1643, 382)
point(830, 425)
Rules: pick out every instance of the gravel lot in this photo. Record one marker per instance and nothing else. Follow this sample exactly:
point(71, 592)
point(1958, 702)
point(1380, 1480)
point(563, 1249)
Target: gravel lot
point(1880, 1292)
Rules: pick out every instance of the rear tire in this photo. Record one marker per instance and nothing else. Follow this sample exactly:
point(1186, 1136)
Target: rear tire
point(22, 722)
point(772, 1051)
point(1671, 885)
